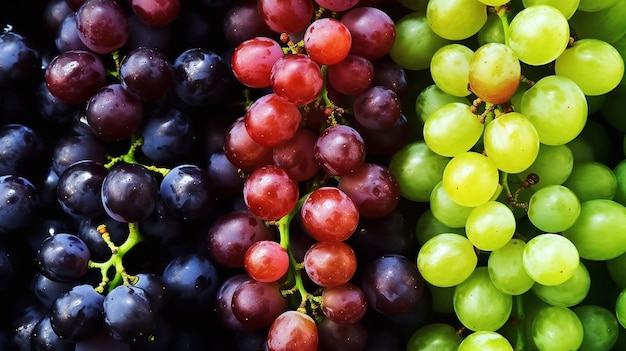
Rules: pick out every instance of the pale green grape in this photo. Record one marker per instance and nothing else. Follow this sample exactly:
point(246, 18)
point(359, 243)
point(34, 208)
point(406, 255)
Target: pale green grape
point(492, 31)
point(569, 293)
point(607, 24)
point(495, 73)
point(490, 225)
point(599, 230)
point(446, 260)
point(557, 328)
point(428, 226)
point(511, 142)
point(600, 327)
point(432, 98)
point(485, 341)
point(418, 169)
point(414, 54)
point(553, 165)
point(470, 179)
point(452, 129)
point(538, 34)
point(550, 259)
point(557, 107)
point(446, 210)
point(494, 2)
point(553, 208)
point(567, 7)
point(506, 268)
point(479, 305)
point(616, 267)
point(620, 308)
point(595, 5)
point(449, 68)
point(441, 298)
point(595, 65)
point(434, 337)
point(592, 180)
point(456, 19)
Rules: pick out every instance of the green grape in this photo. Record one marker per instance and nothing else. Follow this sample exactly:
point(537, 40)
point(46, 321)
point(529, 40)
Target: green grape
point(569, 293)
point(595, 65)
point(511, 142)
point(567, 7)
point(428, 226)
point(553, 165)
point(449, 68)
point(531, 305)
point(595, 5)
point(495, 73)
point(415, 5)
point(616, 267)
point(441, 298)
point(456, 19)
point(479, 305)
point(431, 98)
point(598, 233)
point(506, 268)
point(418, 169)
point(607, 24)
point(592, 180)
point(494, 2)
point(620, 308)
point(600, 327)
point(557, 328)
point(470, 179)
point(414, 54)
point(452, 129)
point(446, 210)
point(485, 341)
point(553, 208)
point(446, 260)
point(557, 107)
point(434, 337)
point(538, 34)
point(490, 225)
point(492, 31)
point(594, 143)
point(620, 175)
point(550, 259)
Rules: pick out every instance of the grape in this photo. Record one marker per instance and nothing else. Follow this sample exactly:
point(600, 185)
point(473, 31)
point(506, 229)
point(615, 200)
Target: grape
point(449, 68)
point(253, 59)
point(330, 263)
point(74, 76)
point(452, 129)
point(127, 181)
point(340, 150)
point(191, 281)
point(167, 136)
point(344, 304)
point(129, 313)
point(553, 208)
point(78, 189)
point(242, 21)
point(113, 113)
point(592, 180)
point(485, 341)
point(605, 24)
point(490, 226)
point(446, 210)
point(292, 330)
point(556, 123)
point(327, 41)
point(492, 31)
point(431, 98)
point(446, 260)
point(63, 257)
point(349, 336)
point(329, 214)
point(266, 261)
point(43, 337)
point(468, 17)
point(511, 142)
point(593, 6)
point(352, 75)
point(296, 78)
point(272, 120)
point(557, 328)
point(200, 76)
point(286, 16)
point(187, 192)
point(470, 179)
point(77, 315)
point(256, 305)
point(377, 108)
point(337, 5)
point(550, 259)
point(600, 327)
point(494, 73)
point(243, 151)
point(434, 336)
point(589, 59)
point(269, 193)
point(102, 25)
point(223, 302)
point(534, 24)
point(373, 188)
point(567, 8)
point(372, 30)
point(569, 293)
point(156, 13)
point(146, 73)
point(553, 165)
point(506, 269)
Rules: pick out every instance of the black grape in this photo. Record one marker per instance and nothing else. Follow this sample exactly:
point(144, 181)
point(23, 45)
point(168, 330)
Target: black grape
point(200, 76)
point(146, 73)
point(22, 150)
point(20, 61)
point(129, 313)
point(18, 203)
point(43, 338)
point(78, 314)
point(24, 324)
point(191, 281)
point(129, 192)
point(167, 136)
point(88, 232)
point(47, 290)
point(63, 257)
point(187, 192)
point(73, 147)
point(78, 189)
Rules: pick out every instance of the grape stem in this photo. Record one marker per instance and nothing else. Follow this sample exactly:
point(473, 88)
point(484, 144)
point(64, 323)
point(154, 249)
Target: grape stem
point(502, 12)
point(519, 320)
point(129, 157)
point(115, 261)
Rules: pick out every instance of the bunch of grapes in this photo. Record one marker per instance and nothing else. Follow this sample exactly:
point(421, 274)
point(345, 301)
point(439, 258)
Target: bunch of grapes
point(313, 175)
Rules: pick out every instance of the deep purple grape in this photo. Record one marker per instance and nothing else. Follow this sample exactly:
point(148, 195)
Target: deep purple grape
point(73, 147)
point(161, 225)
point(45, 339)
point(22, 150)
point(78, 314)
point(187, 192)
point(141, 34)
point(129, 313)
point(48, 225)
point(224, 175)
point(341, 336)
point(191, 281)
point(63, 257)
point(129, 192)
point(88, 233)
point(146, 73)
point(101, 341)
point(223, 302)
point(74, 76)
point(168, 136)
point(67, 37)
point(242, 21)
point(154, 286)
point(24, 324)
point(51, 108)
point(200, 77)
point(47, 290)
point(389, 74)
point(256, 305)
point(102, 25)
point(18, 203)
point(340, 150)
point(377, 108)
point(113, 113)
point(79, 187)
point(20, 61)
point(54, 13)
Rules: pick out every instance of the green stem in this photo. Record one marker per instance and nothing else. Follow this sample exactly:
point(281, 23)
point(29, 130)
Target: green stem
point(519, 316)
point(129, 157)
point(502, 12)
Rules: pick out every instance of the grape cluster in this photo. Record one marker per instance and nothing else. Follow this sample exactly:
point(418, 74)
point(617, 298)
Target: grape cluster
point(313, 175)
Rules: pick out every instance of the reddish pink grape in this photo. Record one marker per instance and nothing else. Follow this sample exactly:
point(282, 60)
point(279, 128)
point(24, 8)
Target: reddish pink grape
point(340, 150)
point(373, 31)
point(328, 214)
point(296, 156)
point(377, 107)
point(253, 59)
point(330, 263)
point(373, 188)
point(286, 16)
point(352, 75)
point(292, 331)
point(327, 41)
point(102, 25)
point(269, 193)
point(242, 151)
point(272, 120)
point(74, 76)
point(223, 302)
point(297, 79)
point(256, 304)
point(266, 261)
point(345, 303)
point(337, 5)
point(156, 13)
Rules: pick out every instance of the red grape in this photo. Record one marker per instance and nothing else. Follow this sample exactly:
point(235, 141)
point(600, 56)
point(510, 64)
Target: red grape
point(292, 331)
point(74, 76)
point(266, 261)
point(330, 263)
point(297, 79)
point(242, 151)
point(296, 156)
point(373, 188)
point(269, 192)
point(373, 31)
point(337, 5)
point(345, 303)
point(253, 59)
point(156, 13)
point(328, 214)
point(286, 16)
point(377, 107)
point(102, 25)
point(256, 304)
point(352, 75)
point(327, 41)
point(272, 120)
point(340, 150)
